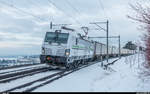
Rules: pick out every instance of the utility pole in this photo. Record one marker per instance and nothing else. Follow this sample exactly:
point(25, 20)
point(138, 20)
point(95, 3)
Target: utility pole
point(119, 47)
point(107, 35)
point(107, 40)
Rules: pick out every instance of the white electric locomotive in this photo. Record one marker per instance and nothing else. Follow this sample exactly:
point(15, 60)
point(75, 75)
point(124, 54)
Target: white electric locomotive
point(65, 48)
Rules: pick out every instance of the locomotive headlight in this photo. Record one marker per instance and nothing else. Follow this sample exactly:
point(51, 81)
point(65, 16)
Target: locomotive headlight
point(67, 52)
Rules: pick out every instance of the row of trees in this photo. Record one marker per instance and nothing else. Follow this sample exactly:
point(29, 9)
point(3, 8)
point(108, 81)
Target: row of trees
point(130, 46)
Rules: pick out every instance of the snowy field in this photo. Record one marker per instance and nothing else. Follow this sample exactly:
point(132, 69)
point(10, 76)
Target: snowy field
point(8, 62)
point(126, 77)
point(21, 68)
point(15, 83)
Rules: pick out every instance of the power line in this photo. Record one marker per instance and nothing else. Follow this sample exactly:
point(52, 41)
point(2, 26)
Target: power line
point(102, 6)
point(72, 6)
point(75, 9)
point(12, 6)
point(35, 4)
point(63, 11)
point(107, 16)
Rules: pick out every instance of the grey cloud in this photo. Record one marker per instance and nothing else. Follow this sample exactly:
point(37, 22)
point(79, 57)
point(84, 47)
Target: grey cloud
point(8, 38)
point(23, 25)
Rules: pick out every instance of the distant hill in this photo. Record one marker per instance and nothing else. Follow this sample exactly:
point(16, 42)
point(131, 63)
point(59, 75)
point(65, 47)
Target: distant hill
point(16, 56)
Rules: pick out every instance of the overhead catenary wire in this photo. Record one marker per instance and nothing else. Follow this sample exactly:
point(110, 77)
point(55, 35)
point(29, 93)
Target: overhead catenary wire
point(105, 13)
point(37, 4)
point(21, 10)
point(34, 3)
point(75, 9)
point(102, 6)
point(50, 2)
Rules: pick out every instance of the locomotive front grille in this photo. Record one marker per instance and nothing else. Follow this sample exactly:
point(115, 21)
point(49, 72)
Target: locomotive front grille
point(48, 51)
point(60, 52)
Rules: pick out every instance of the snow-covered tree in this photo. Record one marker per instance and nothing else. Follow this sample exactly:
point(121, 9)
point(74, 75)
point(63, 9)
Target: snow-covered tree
point(143, 16)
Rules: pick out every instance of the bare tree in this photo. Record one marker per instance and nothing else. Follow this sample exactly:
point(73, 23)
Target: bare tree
point(143, 16)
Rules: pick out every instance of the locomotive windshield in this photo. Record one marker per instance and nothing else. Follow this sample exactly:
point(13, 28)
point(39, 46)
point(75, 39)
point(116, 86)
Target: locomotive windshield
point(53, 37)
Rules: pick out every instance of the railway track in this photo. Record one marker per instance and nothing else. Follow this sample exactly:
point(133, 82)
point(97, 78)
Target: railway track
point(19, 66)
point(65, 73)
point(26, 85)
point(30, 86)
point(16, 75)
point(19, 70)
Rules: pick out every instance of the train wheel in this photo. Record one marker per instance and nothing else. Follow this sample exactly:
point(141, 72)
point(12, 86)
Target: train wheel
point(70, 66)
point(84, 62)
point(76, 64)
point(79, 63)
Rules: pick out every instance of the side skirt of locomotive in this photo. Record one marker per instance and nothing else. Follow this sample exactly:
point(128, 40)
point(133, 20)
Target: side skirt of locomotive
point(63, 62)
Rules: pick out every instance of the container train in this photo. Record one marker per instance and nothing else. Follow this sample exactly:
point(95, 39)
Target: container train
point(66, 48)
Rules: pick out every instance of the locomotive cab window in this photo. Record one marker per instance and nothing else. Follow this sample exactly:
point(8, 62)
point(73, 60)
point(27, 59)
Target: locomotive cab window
point(56, 37)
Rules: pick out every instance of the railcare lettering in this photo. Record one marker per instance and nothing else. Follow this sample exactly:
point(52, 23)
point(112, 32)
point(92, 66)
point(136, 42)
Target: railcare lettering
point(143, 93)
point(5, 93)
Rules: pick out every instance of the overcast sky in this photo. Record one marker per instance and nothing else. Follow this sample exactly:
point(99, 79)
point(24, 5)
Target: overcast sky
point(23, 23)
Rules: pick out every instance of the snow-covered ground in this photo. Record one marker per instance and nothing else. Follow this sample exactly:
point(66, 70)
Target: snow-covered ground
point(21, 81)
point(8, 62)
point(22, 68)
point(126, 77)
